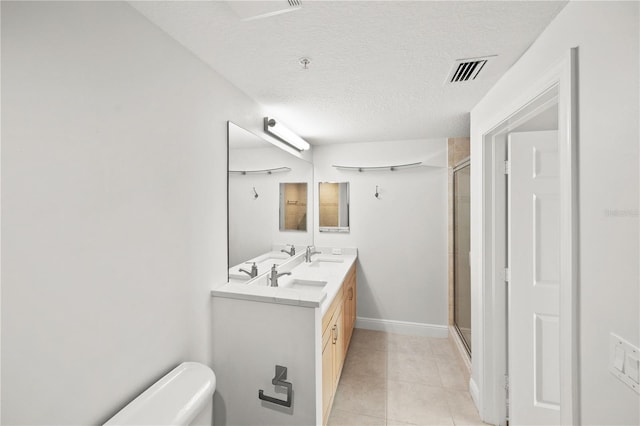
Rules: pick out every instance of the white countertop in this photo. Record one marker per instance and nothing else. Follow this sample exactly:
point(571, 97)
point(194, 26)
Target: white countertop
point(325, 267)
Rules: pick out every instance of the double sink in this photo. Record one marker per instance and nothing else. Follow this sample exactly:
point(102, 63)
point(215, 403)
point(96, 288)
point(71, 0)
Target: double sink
point(308, 277)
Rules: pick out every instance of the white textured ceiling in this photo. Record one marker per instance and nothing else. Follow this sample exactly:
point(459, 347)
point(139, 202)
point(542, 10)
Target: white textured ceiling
point(378, 68)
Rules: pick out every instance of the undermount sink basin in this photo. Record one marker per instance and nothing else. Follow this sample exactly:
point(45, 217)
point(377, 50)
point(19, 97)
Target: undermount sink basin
point(308, 285)
point(263, 264)
point(329, 259)
point(276, 258)
point(240, 277)
point(322, 261)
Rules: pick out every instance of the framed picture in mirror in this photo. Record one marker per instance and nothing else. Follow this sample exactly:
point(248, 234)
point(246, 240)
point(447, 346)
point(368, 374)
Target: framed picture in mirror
point(333, 206)
point(293, 206)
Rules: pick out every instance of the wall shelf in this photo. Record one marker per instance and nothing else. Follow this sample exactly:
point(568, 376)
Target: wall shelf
point(258, 172)
point(391, 168)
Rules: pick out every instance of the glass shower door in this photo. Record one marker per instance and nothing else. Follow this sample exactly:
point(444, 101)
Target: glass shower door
point(461, 248)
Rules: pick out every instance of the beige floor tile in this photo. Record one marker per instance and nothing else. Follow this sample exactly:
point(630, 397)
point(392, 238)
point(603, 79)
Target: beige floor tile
point(346, 418)
point(369, 339)
point(452, 373)
point(413, 367)
point(442, 348)
point(361, 361)
point(462, 408)
point(362, 395)
point(409, 344)
point(402, 380)
point(417, 403)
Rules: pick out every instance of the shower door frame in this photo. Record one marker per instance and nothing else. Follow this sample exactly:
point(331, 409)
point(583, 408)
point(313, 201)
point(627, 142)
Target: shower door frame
point(461, 165)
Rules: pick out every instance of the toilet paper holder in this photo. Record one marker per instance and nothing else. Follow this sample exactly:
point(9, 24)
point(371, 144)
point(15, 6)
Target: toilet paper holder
point(279, 380)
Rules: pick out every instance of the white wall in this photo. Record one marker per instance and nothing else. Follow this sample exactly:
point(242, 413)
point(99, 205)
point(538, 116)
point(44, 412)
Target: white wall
point(607, 36)
point(113, 207)
point(401, 237)
point(254, 224)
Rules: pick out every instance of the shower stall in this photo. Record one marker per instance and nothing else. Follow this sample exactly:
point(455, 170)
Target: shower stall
point(461, 248)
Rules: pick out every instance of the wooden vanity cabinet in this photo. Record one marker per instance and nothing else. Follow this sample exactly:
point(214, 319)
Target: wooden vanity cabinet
point(337, 328)
point(349, 304)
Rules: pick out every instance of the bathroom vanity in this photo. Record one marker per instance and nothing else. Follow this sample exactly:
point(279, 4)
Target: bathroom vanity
point(337, 327)
point(304, 324)
point(278, 351)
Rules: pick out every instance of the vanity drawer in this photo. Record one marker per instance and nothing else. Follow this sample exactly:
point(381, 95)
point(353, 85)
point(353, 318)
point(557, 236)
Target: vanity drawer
point(337, 303)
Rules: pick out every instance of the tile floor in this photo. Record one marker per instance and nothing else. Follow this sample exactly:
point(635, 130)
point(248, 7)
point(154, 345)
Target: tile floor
point(392, 379)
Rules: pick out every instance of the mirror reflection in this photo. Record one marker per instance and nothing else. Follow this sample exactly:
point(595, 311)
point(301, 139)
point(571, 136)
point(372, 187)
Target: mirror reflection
point(293, 206)
point(256, 170)
point(333, 206)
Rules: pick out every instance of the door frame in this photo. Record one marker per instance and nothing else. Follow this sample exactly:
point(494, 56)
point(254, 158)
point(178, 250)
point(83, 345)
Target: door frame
point(488, 382)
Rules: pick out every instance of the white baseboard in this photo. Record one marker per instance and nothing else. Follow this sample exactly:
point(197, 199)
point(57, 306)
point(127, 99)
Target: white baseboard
point(403, 327)
point(475, 393)
point(460, 346)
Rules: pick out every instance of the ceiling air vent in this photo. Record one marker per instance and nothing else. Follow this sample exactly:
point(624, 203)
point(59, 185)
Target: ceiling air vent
point(467, 69)
point(251, 10)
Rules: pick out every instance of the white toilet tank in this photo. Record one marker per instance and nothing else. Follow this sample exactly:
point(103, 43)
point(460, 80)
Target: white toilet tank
point(182, 396)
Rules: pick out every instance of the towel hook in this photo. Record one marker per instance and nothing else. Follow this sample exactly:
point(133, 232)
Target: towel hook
point(377, 194)
point(255, 193)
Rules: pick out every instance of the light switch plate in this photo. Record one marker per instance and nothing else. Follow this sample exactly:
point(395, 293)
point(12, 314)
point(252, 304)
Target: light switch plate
point(632, 367)
point(618, 358)
point(623, 361)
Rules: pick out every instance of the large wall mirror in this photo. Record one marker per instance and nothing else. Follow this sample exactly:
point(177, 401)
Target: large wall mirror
point(333, 206)
point(257, 172)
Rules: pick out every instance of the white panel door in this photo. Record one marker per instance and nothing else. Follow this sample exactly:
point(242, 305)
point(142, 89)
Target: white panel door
point(534, 287)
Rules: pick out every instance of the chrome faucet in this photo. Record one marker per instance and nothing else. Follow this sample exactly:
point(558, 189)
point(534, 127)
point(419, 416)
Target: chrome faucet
point(273, 278)
point(253, 273)
point(309, 253)
point(291, 252)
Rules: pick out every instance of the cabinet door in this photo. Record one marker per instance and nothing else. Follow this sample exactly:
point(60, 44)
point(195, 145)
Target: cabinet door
point(349, 307)
point(338, 346)
point(327, 379)
point(348, 315)
point(354, 298)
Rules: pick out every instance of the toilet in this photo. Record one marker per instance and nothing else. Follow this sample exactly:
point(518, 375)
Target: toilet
point(182, 397)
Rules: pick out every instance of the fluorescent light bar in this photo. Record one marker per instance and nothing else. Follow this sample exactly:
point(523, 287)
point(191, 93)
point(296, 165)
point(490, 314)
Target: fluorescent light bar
point(275, 128)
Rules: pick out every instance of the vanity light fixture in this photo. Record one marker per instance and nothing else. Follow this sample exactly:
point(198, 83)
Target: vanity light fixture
point(275, 128)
